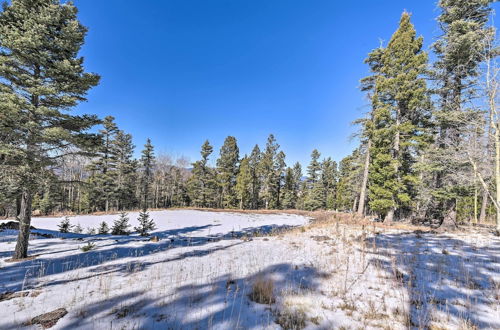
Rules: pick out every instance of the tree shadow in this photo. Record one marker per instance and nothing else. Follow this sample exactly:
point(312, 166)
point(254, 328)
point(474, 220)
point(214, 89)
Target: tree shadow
point(221, 303)
point(27, 274)
point(442, 274)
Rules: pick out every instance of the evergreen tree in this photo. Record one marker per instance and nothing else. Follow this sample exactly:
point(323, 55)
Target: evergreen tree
point(244, 184)
point(316, 193)
point(126, 168)
point(65, 225)
point(103, 229)
point(329, 178)
point(459, 52)
point(103, 179)
point(227, 170)
point(314, 168)
point(42, 78)
point(121, 225)
point(202, 184)
point(268, 169)
point(78, 229)
point(147, 164)
point(146, 224)
point(400, 103)
point(254, 165)
point(291, 187)
point(350, 173)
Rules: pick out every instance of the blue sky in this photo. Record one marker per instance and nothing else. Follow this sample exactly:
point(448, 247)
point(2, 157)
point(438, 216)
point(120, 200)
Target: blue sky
point(182, 71)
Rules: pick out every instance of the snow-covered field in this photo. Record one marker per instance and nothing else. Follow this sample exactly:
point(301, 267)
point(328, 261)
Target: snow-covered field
point(202, 273)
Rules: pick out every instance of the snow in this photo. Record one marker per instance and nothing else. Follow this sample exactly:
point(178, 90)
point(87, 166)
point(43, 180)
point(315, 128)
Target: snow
point(199, 275)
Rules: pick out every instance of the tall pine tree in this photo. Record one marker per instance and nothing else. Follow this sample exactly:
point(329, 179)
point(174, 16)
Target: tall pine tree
point(42, 77)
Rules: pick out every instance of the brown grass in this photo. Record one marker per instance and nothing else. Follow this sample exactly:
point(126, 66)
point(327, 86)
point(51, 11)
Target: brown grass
point(263, 291)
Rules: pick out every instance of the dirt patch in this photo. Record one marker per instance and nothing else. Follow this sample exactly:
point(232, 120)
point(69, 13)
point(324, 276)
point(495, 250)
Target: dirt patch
point(20, 260)
point(12, 295)
point(49, 319)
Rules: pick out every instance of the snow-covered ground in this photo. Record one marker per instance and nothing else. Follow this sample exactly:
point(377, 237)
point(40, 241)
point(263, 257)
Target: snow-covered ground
point(201, 273)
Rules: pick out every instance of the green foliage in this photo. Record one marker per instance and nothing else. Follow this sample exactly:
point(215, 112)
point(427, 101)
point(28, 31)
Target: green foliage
point(147, 163)
point(244, 184)
point(146, 224)
point(87, 247)
point(103, 229)
point(397, 130)
point(65, 226)
point(121, 225)
point(202, 186)
point(227, 170)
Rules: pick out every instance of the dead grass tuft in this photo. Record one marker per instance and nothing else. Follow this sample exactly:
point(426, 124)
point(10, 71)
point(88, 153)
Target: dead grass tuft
point(263, 291)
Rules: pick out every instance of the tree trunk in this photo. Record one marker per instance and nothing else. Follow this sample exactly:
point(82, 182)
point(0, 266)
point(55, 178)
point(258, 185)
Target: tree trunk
point(21, 250)
point(497, 172)
point(362, 193)
point(389, 217)
point(484, 205)
point(450, 218)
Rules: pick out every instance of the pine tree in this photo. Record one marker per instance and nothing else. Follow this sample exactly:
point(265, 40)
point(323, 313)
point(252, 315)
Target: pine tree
point(121, 225)
point(314, 168)
point(126, 168)
point(244, 184)
point(459, 52)
point(227, 170)
point(103, 229)
point(350, 173)
point(147, 164)
point(78, 229)
point(42, 78)
point(103, 179)
point(254, 164)
point(329, 177)
point(291, 187)
point(146, 224)
point(400, 103)
point(202, 184)
point(268, 169)
point(65, 226)
point(316, 194)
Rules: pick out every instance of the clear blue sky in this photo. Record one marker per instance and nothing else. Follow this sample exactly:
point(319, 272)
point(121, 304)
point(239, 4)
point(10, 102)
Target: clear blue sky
point(182, 71)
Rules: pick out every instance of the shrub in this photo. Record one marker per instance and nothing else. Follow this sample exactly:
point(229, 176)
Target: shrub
point(89, 246)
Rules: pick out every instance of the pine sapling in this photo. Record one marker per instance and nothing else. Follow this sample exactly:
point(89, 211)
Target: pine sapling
point(65, 226)
point(103, 229)
point(120, 226)
point(78, 229)
point(146, 224)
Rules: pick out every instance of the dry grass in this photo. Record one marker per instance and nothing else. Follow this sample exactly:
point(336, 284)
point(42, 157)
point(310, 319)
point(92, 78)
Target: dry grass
point(263, 291)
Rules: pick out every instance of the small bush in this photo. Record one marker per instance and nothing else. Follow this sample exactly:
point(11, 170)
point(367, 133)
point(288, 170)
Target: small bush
point(90, 231)
point(263, 291)
point(65, 225)
point(89, 246)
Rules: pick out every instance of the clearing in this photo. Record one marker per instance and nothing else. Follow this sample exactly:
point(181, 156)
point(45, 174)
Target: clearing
point(227, 270)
